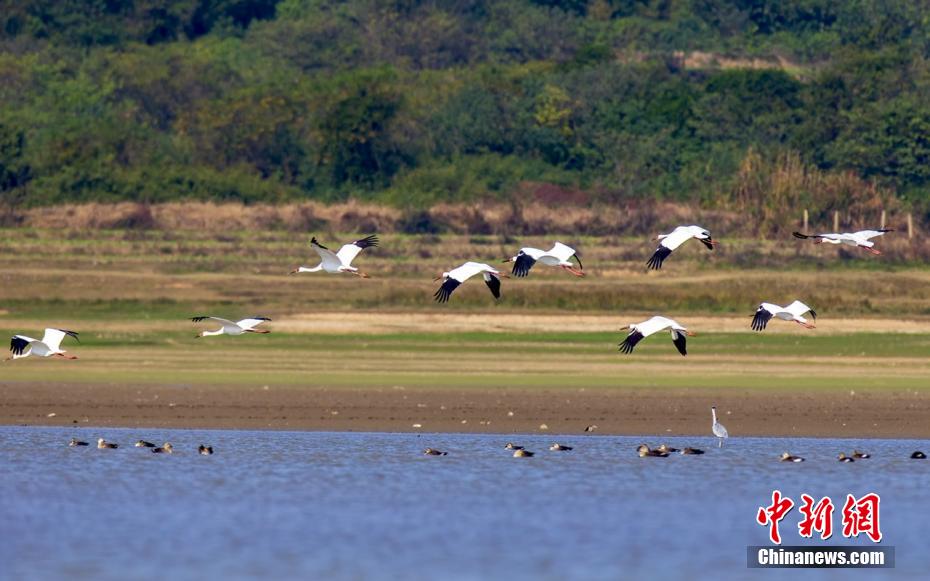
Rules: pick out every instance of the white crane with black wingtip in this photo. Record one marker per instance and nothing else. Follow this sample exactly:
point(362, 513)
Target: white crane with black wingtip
point(455, 277)
point(50, 345)
point(559, 255)
point(639, 331)
point(860, 239)
point(231, 328)
point(338, 262)
point(669, 242)
point(793, 312)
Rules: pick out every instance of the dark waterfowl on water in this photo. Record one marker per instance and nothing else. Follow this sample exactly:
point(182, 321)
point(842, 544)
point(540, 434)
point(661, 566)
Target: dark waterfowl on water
point(691, 451)
point(645, 452)
point(918, 455)
point(165, 448)
point(205, 450)
point(859, 455)
point(666, 448)
point(512, 446)
point(844, 458)
point(144, 444)
point(786, 457)
point(560, 448)
point(103, 444)
point(434, 452)
point(76, 442)
point(521, 453)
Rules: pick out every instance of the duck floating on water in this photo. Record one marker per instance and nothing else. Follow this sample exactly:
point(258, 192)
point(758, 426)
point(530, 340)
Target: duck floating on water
point(144, 444)
point(645, 452)
point(434, 452)
point(512, 446)
point(560, 448)
point(691, 451)
point(103, 444)
point(76, 442)
point(844, 458)
point(521, 453)
point(205, 450)
point(786, 457)
point(918, 455)
point(859, 455)
point(165, 448)
point(666, 448)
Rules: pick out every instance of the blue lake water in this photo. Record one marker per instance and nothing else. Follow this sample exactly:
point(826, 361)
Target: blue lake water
point(308, 505)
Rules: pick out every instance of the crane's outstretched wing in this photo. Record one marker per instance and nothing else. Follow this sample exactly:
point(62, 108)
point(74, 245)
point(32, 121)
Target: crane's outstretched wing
point(329, 258)
point(54, 337)
point(225, 322)
point(493, 283)
point(523, 264)
point(680, 341)
point(658, 257)
point(761, 319)
point(797, 308)
point(445, 291)
point(631, 340)
point(349, 251)
point(19, 343)
point(869, 234)
point(252, 322)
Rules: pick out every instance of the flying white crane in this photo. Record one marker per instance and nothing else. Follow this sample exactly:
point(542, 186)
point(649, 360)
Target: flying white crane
point(230, 328)
point(717, 428)
point(336, 262)
point(793, 312)
point(640, 331)
point(559, 255)
point(674, 239)
point(456, 276)
point(49, 346)
point(860, 239)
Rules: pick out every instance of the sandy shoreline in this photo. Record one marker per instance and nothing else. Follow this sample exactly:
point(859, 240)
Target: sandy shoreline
point(880, 413)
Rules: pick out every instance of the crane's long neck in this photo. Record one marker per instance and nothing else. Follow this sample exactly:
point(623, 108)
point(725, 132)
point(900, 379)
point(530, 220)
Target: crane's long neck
point(713, 414)
point(316, 268)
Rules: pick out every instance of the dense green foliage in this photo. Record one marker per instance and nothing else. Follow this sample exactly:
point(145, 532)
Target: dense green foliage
point(414, 102)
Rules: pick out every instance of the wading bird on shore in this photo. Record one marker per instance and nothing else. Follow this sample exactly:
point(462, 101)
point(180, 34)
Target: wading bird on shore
point(559, 255)
point(860, 239)
point(674, 239)
point(337, 262)
point(793, 312)
point(456, 276)
point(230, 328)
point(639, 331)
point(49, 346)
point(717, 428)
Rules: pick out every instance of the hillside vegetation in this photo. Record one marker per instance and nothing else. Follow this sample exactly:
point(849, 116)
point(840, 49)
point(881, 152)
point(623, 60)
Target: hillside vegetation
point(759, 107)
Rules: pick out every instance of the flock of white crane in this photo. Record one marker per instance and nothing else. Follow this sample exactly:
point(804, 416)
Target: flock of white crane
point(560, 255)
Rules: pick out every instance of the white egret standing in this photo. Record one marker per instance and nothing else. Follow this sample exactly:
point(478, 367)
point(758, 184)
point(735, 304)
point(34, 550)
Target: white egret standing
point(559, 255)
point(674, 239)
point(49, 346)
point(337, 262)
point(639, 331)
point(717, 428)
point(860, 239)
point(455, 277)
point(230, 328)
